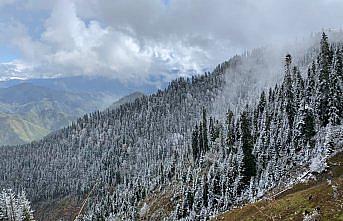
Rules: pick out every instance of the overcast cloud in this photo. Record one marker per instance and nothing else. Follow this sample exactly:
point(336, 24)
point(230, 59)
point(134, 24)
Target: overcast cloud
point(137, 40)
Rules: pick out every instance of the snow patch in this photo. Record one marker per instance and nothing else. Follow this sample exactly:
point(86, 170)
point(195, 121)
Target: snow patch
point(318, 163)
point(144, 210)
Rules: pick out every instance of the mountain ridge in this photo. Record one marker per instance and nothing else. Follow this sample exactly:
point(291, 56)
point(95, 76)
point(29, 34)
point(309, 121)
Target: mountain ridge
point(127, 99)
point(41, 109)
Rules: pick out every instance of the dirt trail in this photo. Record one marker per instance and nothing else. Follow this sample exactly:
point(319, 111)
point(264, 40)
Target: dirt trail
point(85, 201)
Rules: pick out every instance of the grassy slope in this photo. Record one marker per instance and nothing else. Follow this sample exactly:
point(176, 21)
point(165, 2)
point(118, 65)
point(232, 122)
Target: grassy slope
point(60, 209)
point(16, 130)
point(29, 112)
point(27, 131)
point(302, 198)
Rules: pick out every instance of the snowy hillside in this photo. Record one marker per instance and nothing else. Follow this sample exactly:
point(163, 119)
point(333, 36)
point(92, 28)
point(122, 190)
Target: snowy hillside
point(202, 146)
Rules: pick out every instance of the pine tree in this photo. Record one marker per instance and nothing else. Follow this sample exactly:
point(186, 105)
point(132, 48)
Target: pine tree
point(204, 133)
point(322, 106)
point(27, 213)
point(197, 205)
point(310, 89)
point(339, 74)
point(249, 163)
point(201, 139)
point(204, 192)
point(262, 103)
point(230, 136)
point(335, 93)
point(195, 144)
point(298, 87)
point(288, 93)
point(212, 130)
point(309, 130)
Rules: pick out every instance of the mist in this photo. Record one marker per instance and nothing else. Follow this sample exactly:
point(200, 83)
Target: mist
point(130, 40)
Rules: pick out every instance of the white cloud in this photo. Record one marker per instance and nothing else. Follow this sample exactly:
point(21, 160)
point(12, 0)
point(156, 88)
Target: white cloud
point(133, 40)
point(72, 46)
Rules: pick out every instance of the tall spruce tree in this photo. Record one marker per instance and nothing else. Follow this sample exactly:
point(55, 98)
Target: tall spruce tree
point(195, 144)
point(249, 162)
point(230, 134)
point(204, 133)
point(201, 139)
point(288, 96)
point(311, 83)
point(322, 96)
point(335, 91)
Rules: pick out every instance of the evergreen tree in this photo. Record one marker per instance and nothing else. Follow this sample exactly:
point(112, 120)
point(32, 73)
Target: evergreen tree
point(27, 213)
point(249, 163)
point(298, 87)
point(204, 133)
point(262, 103)
point(201, 139)
point(310, 88)
point(195, 144)
point(288, 93)
point(322, 106)
point(335, 92)
point(309, 130)
point(230, 136)
point(212, 130)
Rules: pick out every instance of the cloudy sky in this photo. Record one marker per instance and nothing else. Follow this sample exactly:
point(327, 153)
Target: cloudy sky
point(134, 40)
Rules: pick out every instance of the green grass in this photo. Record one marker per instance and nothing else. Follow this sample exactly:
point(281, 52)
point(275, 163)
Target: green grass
point(14, 130)
point(27, 131)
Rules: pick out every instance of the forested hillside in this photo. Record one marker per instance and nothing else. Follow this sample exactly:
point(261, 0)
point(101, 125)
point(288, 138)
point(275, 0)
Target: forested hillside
point(172, 155)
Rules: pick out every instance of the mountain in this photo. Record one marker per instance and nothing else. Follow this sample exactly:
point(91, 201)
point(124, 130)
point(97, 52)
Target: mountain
point(200, 147)
point(16, 130)
point(89, 84)
point(31, 109)
point(29, 112)
point(126, 99)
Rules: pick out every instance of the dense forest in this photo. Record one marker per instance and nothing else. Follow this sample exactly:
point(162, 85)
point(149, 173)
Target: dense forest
point(173, 146)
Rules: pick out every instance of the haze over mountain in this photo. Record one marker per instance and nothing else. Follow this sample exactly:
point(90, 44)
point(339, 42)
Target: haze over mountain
point(31, 109)
point(29, 112)
point(86, 84)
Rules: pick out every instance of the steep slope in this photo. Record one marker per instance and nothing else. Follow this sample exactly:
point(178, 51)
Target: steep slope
point(269, 144)
point(172, 145)
point(320, 199)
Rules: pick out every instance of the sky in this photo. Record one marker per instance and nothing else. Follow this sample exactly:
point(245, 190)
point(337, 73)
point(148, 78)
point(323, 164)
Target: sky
point(137, 40)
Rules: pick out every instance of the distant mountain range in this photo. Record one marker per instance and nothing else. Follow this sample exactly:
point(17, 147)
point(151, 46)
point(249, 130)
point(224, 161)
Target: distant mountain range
point(88, 84)
point(31, 109)
point(29, 112)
